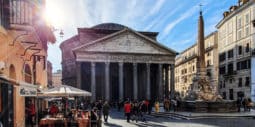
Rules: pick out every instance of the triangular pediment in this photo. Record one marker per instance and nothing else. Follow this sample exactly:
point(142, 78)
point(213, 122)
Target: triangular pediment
point(126, 41)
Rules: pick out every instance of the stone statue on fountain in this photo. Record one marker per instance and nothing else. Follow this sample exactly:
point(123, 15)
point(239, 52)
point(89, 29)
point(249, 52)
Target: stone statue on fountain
point(201, 90)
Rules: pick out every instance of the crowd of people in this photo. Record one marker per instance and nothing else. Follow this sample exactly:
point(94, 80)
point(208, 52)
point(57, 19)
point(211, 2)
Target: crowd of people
point(136, 110)
point(244, 103)
point(133, 110)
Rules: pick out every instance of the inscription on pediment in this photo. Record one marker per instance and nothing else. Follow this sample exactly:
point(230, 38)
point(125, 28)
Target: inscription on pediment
point(126, 43)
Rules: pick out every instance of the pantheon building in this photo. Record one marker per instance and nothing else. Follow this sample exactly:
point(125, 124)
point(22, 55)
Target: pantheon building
point(115, 62)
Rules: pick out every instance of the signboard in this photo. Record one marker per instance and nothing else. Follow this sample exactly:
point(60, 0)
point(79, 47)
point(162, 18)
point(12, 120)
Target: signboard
point(253, 79)
point(27, 90)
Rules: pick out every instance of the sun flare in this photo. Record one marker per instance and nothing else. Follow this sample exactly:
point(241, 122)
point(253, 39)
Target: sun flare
point(53, 14)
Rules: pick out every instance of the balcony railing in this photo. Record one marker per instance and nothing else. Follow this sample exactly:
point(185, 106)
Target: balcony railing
point(230, 73)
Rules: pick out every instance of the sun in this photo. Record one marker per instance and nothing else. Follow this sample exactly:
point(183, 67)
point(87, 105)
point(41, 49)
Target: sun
point(53, 14)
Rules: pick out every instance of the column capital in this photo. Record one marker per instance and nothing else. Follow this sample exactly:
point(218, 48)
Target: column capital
point(148, 64)
point(172, 66)
point(120, 63)
point(107, 63)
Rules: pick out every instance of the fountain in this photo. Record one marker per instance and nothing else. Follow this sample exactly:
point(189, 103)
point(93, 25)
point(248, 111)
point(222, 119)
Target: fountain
point(201, 97)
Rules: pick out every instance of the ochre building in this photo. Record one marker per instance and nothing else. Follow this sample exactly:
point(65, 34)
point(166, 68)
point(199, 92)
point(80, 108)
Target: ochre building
point(186, 65)
point(23, 56)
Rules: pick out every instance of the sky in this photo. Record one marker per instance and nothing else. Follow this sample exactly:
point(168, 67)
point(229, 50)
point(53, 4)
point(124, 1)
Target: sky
point(175, 20)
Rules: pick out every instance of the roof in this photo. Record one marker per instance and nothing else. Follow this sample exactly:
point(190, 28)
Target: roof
point(124, 30)
point(109, 26)
point(104, 29)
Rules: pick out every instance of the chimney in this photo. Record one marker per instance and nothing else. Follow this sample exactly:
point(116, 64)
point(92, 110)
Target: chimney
point(225, 14)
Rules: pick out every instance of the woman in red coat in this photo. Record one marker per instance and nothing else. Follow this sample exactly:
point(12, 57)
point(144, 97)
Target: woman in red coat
point(127, 109)
point(53, 110)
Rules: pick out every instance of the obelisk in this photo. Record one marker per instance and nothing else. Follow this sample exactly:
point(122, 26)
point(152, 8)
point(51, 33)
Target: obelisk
point(200, 47)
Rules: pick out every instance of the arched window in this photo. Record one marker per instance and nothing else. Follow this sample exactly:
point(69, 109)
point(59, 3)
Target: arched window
point(12, 73)
point(27, 73)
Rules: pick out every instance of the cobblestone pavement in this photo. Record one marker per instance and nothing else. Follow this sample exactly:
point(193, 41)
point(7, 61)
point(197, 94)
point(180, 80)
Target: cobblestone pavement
point(117, 119)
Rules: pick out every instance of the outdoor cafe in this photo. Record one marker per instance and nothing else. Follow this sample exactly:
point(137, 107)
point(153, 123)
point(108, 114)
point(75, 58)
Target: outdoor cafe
point(63, 110)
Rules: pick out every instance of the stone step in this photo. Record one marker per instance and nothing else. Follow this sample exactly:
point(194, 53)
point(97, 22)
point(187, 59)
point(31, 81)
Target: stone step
point(176, 115)
point(170, 115)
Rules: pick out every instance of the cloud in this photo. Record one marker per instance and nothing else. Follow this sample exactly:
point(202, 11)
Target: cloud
point(162, 18)
point(171, 25)
point(157, 7)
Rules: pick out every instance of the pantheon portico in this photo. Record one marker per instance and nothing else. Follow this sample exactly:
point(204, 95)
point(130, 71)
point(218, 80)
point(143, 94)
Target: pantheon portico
point(115, 62)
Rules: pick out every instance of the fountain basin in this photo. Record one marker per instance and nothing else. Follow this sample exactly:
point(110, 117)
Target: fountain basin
point(209, 106)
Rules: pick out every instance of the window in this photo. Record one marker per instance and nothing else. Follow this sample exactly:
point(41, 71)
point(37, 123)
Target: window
point(238, 66)
point(208, 54)
point(239, 34)
point(247, 81)
point(240, 50)
point(220, 84)
point(231, 53)
point(230, 68)
point(230, 27)
point(230, 81)
point(247, 18)
point(240, 82)
point(239, 23)
point(231, 95)
point(222, 57)
point(243, 65)
point(208, 63)
point(224, 84)
point(247, 31)
point(247, 49)
point(246, 64)
point(224, 95)
point(222, 70)
point(193, 68)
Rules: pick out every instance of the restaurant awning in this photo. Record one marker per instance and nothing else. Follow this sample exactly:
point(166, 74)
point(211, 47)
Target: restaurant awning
point(27, 89)
point(64, 91)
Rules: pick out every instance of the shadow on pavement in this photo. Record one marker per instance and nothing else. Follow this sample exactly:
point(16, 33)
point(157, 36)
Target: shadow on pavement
point(111, 125)
point(148, 125)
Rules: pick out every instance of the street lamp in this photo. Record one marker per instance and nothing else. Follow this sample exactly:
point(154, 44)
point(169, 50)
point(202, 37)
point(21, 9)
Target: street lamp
point(61, 33)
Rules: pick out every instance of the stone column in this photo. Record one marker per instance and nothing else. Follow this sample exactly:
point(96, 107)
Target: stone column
point(172, 87)
point(167, 80)
point(93, 81)
point(121, 92)
point(135, 81)
point(78, 74)
point(107, 81)
point(148, 86)
point(160, 85)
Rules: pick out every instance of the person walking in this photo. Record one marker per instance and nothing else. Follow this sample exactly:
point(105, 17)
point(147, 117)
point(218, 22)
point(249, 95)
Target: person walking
point(99, 108)
point(143, 110)
point(94, 117)
point(157, 107)
point(244, 104)
point(127, 109)
point(30, 110)
point(167, 104)
point(135, 110)
point(106, 108)
point(239, 103)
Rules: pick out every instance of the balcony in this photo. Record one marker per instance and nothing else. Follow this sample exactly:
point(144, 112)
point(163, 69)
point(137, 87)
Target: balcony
point(230, 74)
